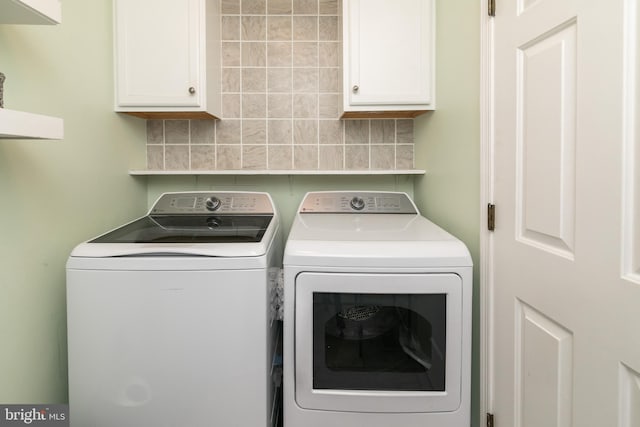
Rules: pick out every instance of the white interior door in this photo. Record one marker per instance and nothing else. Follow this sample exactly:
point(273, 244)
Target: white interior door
point(566, 265)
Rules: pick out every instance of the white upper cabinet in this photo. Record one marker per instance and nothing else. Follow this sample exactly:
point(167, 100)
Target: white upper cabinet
point(167, 58)
point(32, 12)
point(389, 55)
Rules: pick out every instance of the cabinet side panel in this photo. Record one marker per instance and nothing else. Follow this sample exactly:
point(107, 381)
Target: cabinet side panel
point(213, 64)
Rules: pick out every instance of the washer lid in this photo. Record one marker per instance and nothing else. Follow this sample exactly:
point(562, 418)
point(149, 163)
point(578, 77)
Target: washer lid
point(190, 229)
point(224, 224)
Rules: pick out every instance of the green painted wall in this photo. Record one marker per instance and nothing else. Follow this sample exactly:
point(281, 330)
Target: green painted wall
point(447, 144)
point(54, 194)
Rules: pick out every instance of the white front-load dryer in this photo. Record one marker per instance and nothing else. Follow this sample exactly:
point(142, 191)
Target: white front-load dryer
point(377, 323)
point(169, 316)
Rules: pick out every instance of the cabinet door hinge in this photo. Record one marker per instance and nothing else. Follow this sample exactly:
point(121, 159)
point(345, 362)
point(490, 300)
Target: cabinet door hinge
point(491, 217)
point(489, 420)
point(492, 7)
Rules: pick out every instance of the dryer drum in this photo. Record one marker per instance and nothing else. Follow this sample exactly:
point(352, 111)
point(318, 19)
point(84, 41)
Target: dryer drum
point(361, 312)
point(362, 322)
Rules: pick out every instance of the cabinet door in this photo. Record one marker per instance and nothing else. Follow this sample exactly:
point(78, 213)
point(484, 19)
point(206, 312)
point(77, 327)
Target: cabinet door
point(157, 53)
point(388, 52)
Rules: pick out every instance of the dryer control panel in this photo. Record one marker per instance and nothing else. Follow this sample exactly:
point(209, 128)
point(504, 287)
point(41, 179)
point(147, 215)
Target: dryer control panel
point(357, 202)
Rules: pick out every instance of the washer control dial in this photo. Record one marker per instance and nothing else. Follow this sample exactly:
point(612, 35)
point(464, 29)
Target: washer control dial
point(212, 203)
point(357, 203)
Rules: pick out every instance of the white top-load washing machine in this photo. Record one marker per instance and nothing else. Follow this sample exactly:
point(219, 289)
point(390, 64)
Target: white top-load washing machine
point(377, 322)
point(169, 316)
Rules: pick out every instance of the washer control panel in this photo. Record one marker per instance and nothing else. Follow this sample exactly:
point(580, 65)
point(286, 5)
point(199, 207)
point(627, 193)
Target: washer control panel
point(207, 202)
point(357, 202)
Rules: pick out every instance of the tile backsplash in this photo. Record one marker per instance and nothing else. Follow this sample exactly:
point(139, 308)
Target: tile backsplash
point(281, 100)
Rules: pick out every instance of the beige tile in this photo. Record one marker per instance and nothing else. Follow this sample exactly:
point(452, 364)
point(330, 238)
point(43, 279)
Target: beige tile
point(228, 157)
point(176, 157)
point(305, 54)
point(254, 106)
point(278, 27)
point(279, 106)
point(203, 157)
point(203, 131)
point(305, 157)
point(231, 106)
point(328, 29)
point(331, 157)
point(330, 132)
point(305, 106)
point(330, 106)
point(230, 54)
point(356, 131)
point(254, 54)
point(254, 131)
point(254, 157)
point(305, 80)
point(280, 157)
point(279, 7)
point(254, 80)
point(279, 80)
point(254, 28)
point(383, 131)
point(230, 80)
point(155, 157)
point(330, 80)
point(254, 7)
point(279, 54)
point(382, 157)
point(176, 131)
point(356, 157)
point(404, 156)
point(404, 131)
point(228, 132)
point(329, 54)
point(305, 7)
point(328, 7)
point(155, 132)
point(305, 132)
point(230, 7)
point(280, 132)
point(305, 28)
point(230, 28)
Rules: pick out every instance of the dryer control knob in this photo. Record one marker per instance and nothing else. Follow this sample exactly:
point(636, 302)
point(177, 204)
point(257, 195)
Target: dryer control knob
point(357, 203)
point(212, 203)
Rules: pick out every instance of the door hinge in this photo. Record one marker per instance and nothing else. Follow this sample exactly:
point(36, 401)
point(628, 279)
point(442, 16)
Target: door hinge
point(491, 217)
point(492, 7)
point(489, 420)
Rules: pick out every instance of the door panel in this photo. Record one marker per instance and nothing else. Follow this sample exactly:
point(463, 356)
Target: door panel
point(544, 367)
point(631, 177)
point(546, 140)
point(630, 397)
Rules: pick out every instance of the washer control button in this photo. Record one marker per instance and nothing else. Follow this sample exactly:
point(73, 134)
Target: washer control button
point(213, 203)
point(357, 203)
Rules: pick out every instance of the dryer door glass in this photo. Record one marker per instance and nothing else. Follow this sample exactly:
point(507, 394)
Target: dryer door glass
point(379, 341)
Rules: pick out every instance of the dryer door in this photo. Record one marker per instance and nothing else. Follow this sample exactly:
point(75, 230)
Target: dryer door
point(378, 342)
